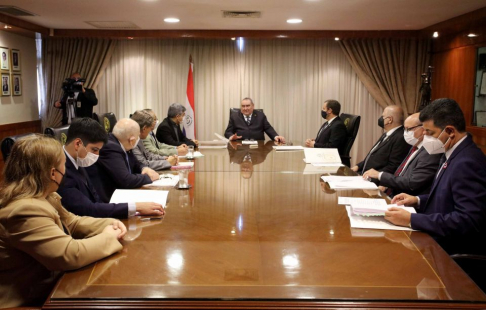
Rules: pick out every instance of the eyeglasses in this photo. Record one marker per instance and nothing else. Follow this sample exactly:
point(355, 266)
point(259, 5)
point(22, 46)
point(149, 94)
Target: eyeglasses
point(411, 128)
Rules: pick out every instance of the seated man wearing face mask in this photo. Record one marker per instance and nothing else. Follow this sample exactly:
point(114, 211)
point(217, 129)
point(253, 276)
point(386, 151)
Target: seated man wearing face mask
point(417, 171)
point(85, 138)
point(117, 167)
point(454, 212)
point(390, 150)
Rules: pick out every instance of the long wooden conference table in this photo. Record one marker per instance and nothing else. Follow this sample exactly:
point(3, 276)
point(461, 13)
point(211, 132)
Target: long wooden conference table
point(257, 230)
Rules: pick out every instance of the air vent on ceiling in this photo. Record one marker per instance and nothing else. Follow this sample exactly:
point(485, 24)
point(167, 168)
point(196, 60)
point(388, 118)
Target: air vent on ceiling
point(113, 25)
point(242, 14)
point(14, 11)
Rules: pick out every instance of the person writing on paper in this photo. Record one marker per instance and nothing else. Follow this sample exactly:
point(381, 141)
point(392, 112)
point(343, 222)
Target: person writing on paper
point(333, 133)
point(454, 212)
point(169, 131)
point(250, 124)
point(416, 173)
point(153, 145)
point(39, 239)
point(154, 161)
point(85, 138)
point(390, 150)
point(117, 167)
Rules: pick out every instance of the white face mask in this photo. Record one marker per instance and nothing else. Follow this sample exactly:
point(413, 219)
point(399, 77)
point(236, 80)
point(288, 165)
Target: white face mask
point(434, 145)
point(409, 137)
point(89, 160)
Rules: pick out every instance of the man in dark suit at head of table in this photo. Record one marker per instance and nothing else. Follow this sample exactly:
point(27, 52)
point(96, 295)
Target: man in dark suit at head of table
point(250, 124)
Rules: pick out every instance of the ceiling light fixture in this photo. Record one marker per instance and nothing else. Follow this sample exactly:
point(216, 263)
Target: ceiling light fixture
point(294, 21)
point(233, 39)
point(130, 38)
point(172, 20)
point(472, 35)
point(281, 36)
point(336, 39)
point(435, 35)
point(7, 26)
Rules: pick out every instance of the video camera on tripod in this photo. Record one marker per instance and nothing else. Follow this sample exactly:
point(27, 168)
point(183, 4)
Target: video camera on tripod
point(71, 86)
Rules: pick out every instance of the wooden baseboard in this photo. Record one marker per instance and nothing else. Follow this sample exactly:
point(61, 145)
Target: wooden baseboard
point(8, 130)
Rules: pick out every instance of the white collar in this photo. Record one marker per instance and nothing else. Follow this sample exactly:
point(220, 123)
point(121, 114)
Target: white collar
point(389, 132)
point(70, 157)
point(449, 152)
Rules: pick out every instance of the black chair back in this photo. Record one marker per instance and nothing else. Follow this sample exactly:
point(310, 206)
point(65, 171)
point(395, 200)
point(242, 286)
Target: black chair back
point(352, 125)
point(107, 120)
point(60, 133)
point(8, 143)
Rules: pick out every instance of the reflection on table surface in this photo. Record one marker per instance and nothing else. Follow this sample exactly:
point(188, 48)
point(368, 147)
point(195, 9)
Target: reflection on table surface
point(272, 236)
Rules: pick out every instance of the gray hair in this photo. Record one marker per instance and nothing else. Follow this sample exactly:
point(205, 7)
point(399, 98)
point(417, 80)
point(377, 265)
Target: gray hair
point(125, 129)
point(175, 109)
point(143, 118)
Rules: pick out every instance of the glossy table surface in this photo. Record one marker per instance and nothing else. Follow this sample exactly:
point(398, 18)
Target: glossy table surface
point(270, 234)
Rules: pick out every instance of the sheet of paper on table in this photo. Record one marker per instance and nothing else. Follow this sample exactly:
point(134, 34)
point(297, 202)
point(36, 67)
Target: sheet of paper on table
point(373, 222)
point(165, 180)
point(136, 195)
point(280, 148)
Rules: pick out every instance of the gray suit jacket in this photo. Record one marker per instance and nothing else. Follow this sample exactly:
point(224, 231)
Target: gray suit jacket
point(417, 177)
point(153, 161)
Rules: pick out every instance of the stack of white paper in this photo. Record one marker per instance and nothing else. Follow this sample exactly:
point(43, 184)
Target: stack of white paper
point(323, 157)
point(184, 165)
point(249, 142)
point(165, 180)
point(342, 182)
point(136, 195)
point(280, 148)
point(361, 201)
point(374, 222)
point(367, 210)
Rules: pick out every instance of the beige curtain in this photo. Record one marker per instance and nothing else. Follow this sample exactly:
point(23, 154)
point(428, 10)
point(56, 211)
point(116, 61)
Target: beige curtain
point(390, 69)
point(63, 56)
point(289, 79)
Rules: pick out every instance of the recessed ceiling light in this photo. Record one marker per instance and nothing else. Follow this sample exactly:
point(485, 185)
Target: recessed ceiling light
point(472, 35)
point(436, 34)
point(171, 20)
point(281, 36)
point(7, 27)
point(130, 38)
point(294, 21)
point(336, 39)
point(233, 39)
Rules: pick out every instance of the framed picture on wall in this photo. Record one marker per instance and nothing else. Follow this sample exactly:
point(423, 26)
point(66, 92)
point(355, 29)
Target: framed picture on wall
point(17, 85)
point(482, 89)
point(15, 60)
point(5, 84)
point(4, 59)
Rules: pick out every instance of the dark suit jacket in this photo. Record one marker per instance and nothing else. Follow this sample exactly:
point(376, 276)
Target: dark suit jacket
point(455, 210)
point(80, 197)
point(388, 155)
point(88, 100)
point(416, 178)
point(111, 170)
point(166, 134)
point(258, 125)
point(334, 136)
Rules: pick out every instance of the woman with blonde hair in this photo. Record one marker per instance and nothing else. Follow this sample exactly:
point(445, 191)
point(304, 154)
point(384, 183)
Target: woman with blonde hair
point(38, 237)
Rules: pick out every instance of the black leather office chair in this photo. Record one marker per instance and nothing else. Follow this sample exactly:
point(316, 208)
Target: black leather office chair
point(474, 266)
point(60, 133)
point(107, 120)
point(8, 143)
point(352, 126)
point(236, 110)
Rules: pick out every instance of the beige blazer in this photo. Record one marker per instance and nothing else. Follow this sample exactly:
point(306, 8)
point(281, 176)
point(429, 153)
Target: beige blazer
point(34, 248)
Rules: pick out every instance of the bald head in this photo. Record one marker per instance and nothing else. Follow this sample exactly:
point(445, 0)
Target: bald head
point(125, 129)
point(392, 117)
point(412, 120)
point(413, 124)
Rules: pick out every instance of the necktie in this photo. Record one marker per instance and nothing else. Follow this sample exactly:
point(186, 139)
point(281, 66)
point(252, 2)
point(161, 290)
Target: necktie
point(324, 127)
point(128, 162)
point(155, 139)
point(389, 191)
point(248, 120)
point(382, 138)
point(400, 168)
point(442, 161)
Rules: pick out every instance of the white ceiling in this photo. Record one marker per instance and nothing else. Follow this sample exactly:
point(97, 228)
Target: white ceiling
point(206, 14)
